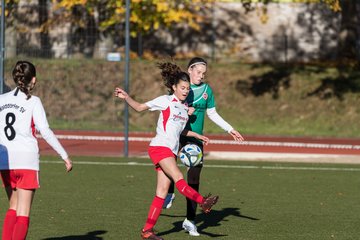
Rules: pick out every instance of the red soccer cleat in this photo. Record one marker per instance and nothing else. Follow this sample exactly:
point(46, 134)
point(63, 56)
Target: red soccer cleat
point(208, 202)
point(150, 234)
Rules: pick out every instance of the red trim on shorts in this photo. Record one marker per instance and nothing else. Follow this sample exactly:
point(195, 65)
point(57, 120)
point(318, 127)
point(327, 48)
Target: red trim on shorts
point(158, 153)
point(20, 178)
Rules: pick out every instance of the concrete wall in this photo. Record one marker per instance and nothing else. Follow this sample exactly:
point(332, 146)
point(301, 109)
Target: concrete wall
point(293, 32)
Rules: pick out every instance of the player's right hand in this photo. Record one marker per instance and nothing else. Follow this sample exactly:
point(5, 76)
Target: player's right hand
point(204, 139)
point(120, 93)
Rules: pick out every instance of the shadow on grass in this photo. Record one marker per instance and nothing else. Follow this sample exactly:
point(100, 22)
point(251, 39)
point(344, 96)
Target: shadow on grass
point(337, 86)
point(94, 235)
point(269, 82)
point(345, 79)
point(204, 221)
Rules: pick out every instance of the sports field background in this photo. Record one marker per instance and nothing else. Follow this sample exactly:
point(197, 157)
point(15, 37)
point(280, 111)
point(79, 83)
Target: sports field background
point(271, 100)
point(108, 199)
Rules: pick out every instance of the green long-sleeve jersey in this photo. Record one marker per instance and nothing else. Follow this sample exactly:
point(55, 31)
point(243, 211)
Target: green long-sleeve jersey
point(201, 97)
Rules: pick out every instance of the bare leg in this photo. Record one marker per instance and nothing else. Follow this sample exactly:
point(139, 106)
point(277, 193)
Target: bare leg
point(16, 225)
point(170, 168)
point(24, 201)
point(163, 183)
point(12, 196)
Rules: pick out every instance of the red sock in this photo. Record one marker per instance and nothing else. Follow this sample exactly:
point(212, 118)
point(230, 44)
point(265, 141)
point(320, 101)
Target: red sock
point(188, 192)
point(8, 225)
point(154, 212)
point(21, 228)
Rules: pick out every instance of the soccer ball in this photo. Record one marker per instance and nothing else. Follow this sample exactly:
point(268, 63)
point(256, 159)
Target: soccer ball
point(190, 155)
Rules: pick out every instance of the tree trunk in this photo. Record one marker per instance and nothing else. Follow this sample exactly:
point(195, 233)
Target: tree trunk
point(349, 33)
point(45, 46)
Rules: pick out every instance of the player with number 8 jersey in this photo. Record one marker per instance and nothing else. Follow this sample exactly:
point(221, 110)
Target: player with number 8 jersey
point(17, 130)
point(20, 115)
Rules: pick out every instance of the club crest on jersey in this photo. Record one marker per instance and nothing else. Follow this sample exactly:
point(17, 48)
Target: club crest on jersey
point(205, 95)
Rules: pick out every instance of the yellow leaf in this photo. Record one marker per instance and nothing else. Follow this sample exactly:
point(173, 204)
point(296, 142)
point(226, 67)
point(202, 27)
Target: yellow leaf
point(120, 10)
point(156, 25)
point(134, 18)
point(162, 7)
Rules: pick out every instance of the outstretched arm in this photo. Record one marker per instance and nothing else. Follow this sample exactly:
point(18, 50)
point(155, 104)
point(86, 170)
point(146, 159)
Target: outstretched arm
point(236, 135)
point(68, 164)
point(218, 120)
point(139, 107)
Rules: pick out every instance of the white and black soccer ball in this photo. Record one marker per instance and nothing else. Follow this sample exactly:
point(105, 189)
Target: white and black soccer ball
point(190, 155)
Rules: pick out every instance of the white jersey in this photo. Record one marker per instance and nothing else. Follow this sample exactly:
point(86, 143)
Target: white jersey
point(171, 122)
point(19, 119)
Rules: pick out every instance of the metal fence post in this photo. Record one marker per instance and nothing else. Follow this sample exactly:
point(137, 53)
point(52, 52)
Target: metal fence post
point(127, 59)
point(2, 46)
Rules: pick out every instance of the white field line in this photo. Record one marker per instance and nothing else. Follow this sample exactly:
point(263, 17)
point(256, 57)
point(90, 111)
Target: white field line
point(228, 142)
point(345, 169)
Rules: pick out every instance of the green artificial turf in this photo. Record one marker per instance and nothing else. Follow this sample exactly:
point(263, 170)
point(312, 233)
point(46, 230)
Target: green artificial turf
point(108, 198)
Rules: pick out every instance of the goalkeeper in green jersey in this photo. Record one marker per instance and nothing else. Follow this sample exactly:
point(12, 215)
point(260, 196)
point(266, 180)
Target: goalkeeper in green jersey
point(202, 99)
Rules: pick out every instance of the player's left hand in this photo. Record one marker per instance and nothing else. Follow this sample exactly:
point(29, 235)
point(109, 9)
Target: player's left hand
point(68, 165)
point(236, 135)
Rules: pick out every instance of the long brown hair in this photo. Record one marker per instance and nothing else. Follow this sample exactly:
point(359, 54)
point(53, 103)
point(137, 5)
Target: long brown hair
point(23, 73)
point(172, 74)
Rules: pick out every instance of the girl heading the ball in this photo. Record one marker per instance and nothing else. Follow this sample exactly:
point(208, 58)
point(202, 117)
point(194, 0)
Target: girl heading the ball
point(164, 146)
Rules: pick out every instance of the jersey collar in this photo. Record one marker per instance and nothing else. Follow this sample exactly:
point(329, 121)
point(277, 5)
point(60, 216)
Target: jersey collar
point(174, 98)
point(194, 86)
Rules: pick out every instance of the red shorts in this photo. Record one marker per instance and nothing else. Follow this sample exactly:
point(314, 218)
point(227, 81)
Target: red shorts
point(158, 153)
point(20, 178)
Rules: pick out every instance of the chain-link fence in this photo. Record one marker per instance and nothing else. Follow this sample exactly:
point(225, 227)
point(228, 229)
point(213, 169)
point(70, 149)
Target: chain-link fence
point(75, 75)
point(286, 32)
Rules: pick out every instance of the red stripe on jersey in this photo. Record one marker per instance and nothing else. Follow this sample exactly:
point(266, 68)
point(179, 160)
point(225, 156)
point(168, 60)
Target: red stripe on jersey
point(166, 115)
point(33, 130)
point(174, 100)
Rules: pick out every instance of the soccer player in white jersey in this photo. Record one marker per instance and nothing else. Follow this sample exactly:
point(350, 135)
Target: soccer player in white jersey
point(201, 98)
point(164, 146)
point(20, 115)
